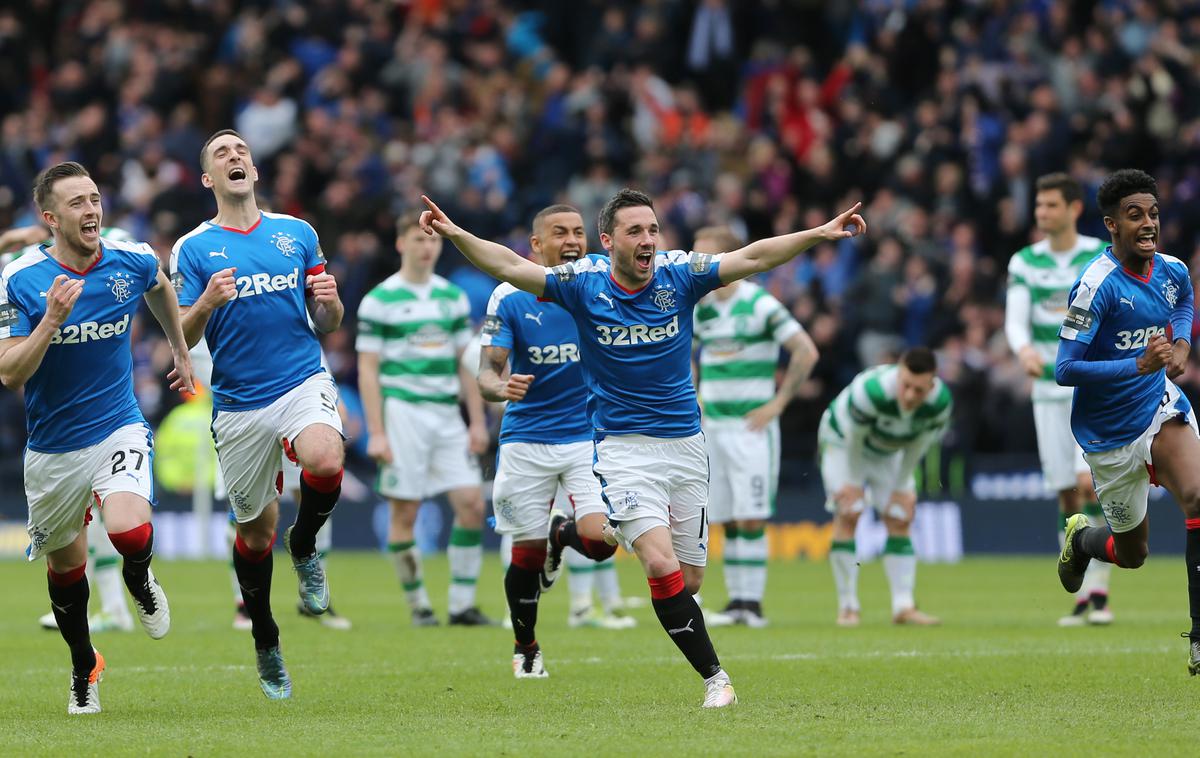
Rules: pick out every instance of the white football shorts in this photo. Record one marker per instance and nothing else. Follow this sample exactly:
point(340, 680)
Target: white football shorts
point(429, 451)
point(745, 470)
point(1123, 475)
point(60, 487)
point(881, 478)
point(531, 476)
point(648, 482)
point(1061, 456)
point(250, 443)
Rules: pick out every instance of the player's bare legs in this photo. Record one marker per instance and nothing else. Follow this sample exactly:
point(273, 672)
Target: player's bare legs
point(127, 519)
point(407, 558)
point(466, 555)
point(843, 555)
point(320, 453)
point(585, 534)
point(899, 560)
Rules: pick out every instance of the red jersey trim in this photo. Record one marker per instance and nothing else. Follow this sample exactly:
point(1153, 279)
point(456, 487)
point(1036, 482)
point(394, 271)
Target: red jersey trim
point(243, 231)
point(625, 289)
point(91, 265)
point(1143, 279)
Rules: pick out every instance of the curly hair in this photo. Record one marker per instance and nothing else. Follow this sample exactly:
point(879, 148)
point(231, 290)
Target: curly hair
point(1123, 183)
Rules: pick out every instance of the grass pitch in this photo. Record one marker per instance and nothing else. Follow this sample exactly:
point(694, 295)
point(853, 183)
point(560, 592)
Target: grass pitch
point(999, 678)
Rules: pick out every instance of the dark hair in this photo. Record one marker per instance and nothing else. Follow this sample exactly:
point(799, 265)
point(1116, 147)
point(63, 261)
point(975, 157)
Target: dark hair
point(626, 198)
point(43, 187)
point(550, 210)
point(1121, 184)
point(209, 141)
point(1064, 183)
point(919, 360)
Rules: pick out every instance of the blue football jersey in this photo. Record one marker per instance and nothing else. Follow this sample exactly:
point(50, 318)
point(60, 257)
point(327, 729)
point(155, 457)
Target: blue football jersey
point(1116, 313)
point(637, 346)
point(261, 342)
point(542, 340)
point(83, 390)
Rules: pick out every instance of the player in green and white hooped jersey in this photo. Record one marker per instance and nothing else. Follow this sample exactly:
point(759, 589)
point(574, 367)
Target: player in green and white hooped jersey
point(412, 328)
point(103, 564)
point(872, 437)
point(1040, 277)
point(740, 328)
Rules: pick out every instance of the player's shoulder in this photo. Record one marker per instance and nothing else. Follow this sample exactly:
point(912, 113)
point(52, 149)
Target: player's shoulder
point(286, 221)
point(504, 293)
point(1087, 242)
point(696, 263)
point(128, 247)
point(939, 401)
point(390, 290)
point(1095, 275)
point(1033, 255)
point(190, 238)
point(23, 264)
point(590, 264)
point(1172, 262)
point(443, 289)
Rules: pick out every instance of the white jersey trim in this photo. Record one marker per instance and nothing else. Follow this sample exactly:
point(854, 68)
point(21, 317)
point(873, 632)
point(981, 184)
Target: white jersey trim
point(1089, 282)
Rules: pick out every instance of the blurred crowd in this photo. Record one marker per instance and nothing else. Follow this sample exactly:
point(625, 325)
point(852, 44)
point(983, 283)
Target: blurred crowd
point(767, 116)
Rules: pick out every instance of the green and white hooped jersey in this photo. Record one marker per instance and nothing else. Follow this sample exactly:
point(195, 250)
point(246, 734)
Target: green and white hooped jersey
point(869, 402)
point(1048, 277)
point(739, 342)
point(111, 233)
point(418, 330)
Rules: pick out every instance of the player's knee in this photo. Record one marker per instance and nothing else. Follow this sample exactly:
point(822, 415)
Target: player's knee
point(257, 540)
point(1189, 501)
point(896, 527)
point(326, 463)
point(660, 565)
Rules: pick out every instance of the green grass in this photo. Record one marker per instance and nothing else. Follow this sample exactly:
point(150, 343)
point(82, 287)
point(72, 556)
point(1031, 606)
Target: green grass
point(999, 678)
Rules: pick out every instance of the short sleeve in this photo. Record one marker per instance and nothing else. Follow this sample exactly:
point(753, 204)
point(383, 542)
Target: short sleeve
point(1085, 306)
point(563, 283)
point(152, 265)
point(186, 277)
point(462, 321)
point(14, 321)
point(497, 323)
point(314, 256)
point(780, 324)
point(696, 274)
point(370, 325)
point(860, 404)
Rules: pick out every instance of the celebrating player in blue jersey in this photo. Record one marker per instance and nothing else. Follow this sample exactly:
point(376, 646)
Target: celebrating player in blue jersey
point(634, 315)
point(1126, 335)
point(65, 315)
point(545, 437)
point(248, 282)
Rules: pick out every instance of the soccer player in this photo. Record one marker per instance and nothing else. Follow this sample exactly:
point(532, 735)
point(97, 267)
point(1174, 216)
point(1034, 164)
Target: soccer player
point(249, 281)
point(65, 314)
point(1039, 278)
point(412, 328)
point(103, 564)
point(545, 437)
point(633, 311)
point(740, 328)
point(872, 436)
point(1126, 335)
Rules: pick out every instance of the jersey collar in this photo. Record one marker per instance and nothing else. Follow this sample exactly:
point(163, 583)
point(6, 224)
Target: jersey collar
point(1143, 279)
point(235, 230)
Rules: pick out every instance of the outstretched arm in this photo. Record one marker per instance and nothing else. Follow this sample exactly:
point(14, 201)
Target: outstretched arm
point(766, 254)
point(165, 307)
point(489, 257)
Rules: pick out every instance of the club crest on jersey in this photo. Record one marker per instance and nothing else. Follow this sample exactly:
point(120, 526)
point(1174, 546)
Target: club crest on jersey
point(664, 300)
point(1170, 291)
point(285, 242)
point(120, 286)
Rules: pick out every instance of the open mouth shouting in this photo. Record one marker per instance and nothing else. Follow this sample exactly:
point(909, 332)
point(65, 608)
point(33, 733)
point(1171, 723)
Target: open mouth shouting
point(644, 260)
point(89, 231)
point(570, 256)
point(237, 174)
point(1147, 241)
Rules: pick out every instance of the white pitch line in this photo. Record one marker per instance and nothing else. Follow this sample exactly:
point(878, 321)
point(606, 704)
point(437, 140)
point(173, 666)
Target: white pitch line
point(993, 652)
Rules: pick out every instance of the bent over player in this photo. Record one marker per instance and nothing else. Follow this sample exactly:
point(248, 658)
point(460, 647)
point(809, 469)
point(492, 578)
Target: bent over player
point(248, 282)
point(545, 438)
point(65, 315)
point(872, 436)
point(1126, 335)
point(633, 311)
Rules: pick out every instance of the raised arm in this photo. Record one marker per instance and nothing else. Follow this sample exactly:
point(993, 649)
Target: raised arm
point(766, 254)
point(489, 257)
point(165, 307)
